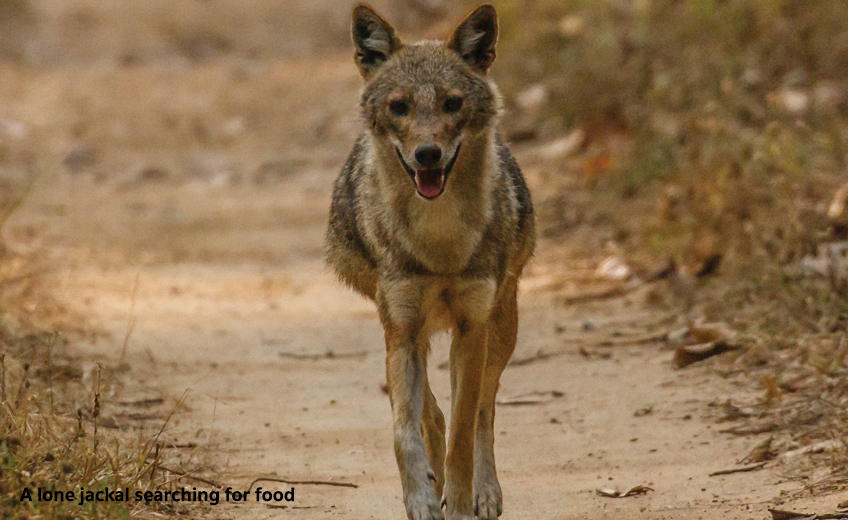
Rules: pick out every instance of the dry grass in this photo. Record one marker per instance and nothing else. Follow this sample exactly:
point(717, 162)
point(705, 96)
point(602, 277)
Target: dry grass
point(53, 434)
point(721, 127)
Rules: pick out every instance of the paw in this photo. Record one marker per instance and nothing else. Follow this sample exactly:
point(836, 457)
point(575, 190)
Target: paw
point(488, 501)
point(424, 506)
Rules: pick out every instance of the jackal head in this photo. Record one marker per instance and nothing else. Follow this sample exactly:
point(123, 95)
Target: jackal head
point(428, 98)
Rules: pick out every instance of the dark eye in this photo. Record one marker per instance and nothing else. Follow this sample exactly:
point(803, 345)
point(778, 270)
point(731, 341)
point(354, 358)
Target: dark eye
point(399, 107)
point(453, 104)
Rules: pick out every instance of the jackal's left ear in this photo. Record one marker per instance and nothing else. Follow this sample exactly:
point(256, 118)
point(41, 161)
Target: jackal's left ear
point(475, 37)
point(374, 38)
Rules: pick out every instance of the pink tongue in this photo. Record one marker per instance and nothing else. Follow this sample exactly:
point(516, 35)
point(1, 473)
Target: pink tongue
point(429, 183)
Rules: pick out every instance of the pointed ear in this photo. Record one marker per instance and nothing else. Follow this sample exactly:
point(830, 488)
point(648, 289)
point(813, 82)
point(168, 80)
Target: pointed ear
point(373, 38)
point(475, 37)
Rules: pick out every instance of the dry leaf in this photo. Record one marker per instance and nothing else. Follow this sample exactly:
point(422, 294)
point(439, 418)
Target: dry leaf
point(709, 267)
point(837, 207)
point(744, 469)
point(710, 332)
point(777, 514)
point(613, 493)
point(773, 392)
point(531, 398)
point(685, 356)
point(819, 447)
point(761, 452)
point(613, 268)
point(641, 412)
point(594, 167)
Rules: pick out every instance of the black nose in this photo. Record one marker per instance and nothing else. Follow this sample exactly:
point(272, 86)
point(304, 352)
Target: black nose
point(428, 155)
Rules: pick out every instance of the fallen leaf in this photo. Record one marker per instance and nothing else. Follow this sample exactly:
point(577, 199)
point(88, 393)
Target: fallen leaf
point(709, 267)
point(710, 332)
point(679, 337)
point(563, 146)
point(531, 398)
point(613, 268)
point(777, 514)
point(595, 166)
point(743, 469)
point(761, 452)
point(613, 493)
point(685, 356)
point(819, 447)
point(837, 207)
point(638, 490)
point(773, 392)
point(641, 412)
point(831, 260)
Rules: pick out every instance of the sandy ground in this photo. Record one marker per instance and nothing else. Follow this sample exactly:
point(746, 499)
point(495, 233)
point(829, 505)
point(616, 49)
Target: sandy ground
point(282, 367)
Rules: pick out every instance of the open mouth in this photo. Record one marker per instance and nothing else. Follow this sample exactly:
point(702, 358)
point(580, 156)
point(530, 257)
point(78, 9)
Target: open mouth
point(429, 182)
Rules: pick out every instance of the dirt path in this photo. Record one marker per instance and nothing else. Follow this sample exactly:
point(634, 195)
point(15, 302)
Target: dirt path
point(283, 367)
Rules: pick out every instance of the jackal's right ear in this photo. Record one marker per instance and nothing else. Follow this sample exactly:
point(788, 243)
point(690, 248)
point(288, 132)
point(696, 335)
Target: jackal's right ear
point(374, 38)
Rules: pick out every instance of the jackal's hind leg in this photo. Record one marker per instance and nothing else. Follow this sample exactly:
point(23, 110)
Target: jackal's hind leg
point(433, 430)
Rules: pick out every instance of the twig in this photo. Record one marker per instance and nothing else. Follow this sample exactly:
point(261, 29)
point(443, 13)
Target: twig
point(301, 482)
point(143, 467)
point(22, 386)
point(189, 475)
point(743, 469)
point(3, 376)
point(639, 340)
point(95, 413)
point(535, 358)
point(755, 430)
point(50, 369)
point(615, 292)
point(327, 355)
point(130, 318)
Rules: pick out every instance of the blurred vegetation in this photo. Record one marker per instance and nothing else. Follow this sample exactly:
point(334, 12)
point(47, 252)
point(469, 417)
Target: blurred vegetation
point(732, 116)
point(723, 129)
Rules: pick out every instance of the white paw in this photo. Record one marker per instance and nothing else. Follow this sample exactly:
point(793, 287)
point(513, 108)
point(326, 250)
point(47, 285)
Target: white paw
point(423, 505)
point(488, 501)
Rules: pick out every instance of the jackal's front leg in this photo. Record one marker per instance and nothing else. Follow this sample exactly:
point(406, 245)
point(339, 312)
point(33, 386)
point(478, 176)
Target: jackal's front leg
point(468, 361)
point(406, 378)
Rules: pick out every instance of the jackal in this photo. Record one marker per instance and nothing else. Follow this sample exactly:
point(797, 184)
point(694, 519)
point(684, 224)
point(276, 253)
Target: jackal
point(432, 220)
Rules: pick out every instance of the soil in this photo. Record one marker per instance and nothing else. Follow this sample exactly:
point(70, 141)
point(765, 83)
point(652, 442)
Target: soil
point(215, 287)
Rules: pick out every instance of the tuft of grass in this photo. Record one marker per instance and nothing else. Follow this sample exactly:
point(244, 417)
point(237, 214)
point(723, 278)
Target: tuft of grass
point(52, 430)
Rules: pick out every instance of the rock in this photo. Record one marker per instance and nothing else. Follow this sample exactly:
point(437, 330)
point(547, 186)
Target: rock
point(17, 130)
point(153, 174)
point(562, 147)
point(793, 101)
point(532, 98)
point(80, 160)
point(572, 26)
point(271, 172)
point(216, 170)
